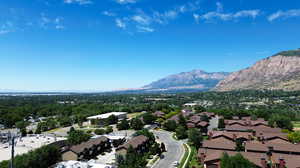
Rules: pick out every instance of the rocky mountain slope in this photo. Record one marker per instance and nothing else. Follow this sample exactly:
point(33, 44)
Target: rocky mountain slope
point(196, 79)
point(280, 71)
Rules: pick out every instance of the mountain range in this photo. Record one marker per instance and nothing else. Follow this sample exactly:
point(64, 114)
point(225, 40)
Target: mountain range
point(196, 80)
point(278, 72)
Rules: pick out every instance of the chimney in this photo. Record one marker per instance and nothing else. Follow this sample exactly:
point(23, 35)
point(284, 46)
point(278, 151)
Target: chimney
point(234, 136)
point(282, 162)
point(202, 157)
point(263, 162)
point(249, 137)
point(271, 148)
point(210, 134)
point(263, 140)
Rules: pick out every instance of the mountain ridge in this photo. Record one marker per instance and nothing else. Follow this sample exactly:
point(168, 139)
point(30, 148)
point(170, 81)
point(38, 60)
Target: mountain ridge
point(278, 72)
point(195, 79)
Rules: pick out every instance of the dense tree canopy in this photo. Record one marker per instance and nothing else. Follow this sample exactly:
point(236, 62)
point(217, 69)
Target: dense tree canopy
point(77, 137)
point(236, 161)
point(195, 137)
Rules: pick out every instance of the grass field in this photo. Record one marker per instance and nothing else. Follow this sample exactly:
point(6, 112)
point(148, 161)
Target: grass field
point(133, 115)
point(296, 125)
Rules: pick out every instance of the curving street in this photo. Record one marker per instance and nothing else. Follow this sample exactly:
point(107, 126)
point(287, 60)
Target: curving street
point(175, 150)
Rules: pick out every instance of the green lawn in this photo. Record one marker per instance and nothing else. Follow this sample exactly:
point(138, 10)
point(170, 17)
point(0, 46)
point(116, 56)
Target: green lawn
point(193, 160)
point(296, 124)
point(184, 157)
point(134, 115)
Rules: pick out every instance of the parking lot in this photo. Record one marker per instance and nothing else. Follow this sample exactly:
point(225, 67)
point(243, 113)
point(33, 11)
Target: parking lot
point(25, 145)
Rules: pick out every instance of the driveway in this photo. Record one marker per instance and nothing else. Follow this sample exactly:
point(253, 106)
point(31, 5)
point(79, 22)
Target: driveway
point(175, 150)
point(213, 123)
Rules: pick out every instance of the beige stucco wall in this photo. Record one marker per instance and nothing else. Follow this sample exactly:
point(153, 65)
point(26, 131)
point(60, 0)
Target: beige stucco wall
point(69, 156)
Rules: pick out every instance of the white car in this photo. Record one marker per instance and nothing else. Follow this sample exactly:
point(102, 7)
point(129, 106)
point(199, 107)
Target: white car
point(176, 163)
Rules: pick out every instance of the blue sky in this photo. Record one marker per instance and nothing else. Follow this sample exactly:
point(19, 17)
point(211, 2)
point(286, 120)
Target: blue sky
point(112, 44)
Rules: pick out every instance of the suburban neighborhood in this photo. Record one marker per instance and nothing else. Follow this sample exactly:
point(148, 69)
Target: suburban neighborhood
point(158, 139)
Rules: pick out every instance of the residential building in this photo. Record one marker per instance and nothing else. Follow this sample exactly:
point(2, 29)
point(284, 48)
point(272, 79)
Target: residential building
point(139, 143)
point(100, 119)
point(87, 150)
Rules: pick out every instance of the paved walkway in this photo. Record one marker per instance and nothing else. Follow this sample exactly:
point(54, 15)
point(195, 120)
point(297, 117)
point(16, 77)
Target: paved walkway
point(175, 150)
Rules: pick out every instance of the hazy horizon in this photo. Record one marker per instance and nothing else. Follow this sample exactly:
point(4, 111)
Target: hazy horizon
point(108, 45)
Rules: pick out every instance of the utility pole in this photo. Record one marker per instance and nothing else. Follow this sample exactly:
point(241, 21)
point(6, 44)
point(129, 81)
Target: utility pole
point(12, 143)
point(12, 152)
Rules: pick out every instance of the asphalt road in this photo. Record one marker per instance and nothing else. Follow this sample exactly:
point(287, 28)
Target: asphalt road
point(175, 150)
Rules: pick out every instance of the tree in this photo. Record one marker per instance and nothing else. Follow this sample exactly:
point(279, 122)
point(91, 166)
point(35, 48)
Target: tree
point(236, 161)
point(136, 124)
point(123, 125)
point(80, 119)
point(281, 121)
point(294, 136)
point(221, 123)
point(148, 118)
point(23, 132)
point(45, 156)
point(21, 124)
point(155, 149)
point(132, 159)
point(99, 131)
point(112, 119)
point(181, 132)
point(182, 120)
point(77, 137)
point(170, 125)
point(146, 133)
point(199, 109)
point(239, 145)
point(195, 137)
point(109, 129)
point(204, 118)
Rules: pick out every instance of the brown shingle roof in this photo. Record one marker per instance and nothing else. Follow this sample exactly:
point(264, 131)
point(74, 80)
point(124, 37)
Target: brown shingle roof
point(89, 144)
point(231, 135)
point(203, 124)
point(135, 142)
point(195, 119)
point(292, 161)
point(260, 147)
point(215, 144)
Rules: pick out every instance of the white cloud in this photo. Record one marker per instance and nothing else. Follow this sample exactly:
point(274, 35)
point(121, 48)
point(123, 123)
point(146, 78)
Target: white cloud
point(145, 21)
point(230, 16)
point(7, 27)
point(219, 14)
point(142, 19)
point(107, 13)
point(247, 13)
point(144, 29)
point(4, 32)
point(284, 14)
point(80, 2)
point(196, 17)
point(59, 27)
point(126, 1)
point(120, 23)
point(47, 22)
